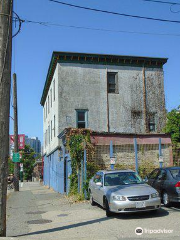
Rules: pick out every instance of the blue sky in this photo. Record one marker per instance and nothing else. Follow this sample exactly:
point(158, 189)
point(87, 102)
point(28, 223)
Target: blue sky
point(32, 48)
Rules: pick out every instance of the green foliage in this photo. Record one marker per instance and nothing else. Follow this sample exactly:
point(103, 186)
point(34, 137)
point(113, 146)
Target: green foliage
point(10, 166)
point(145, 168)
point(92, 168)
point(173, 125)
point(124, 166)
point(75, 146)
point(76, 141)
point(28, 161)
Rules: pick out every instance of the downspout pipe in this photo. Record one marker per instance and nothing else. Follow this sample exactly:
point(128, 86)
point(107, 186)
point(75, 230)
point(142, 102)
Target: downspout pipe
point(144, 100)
point(107, 102)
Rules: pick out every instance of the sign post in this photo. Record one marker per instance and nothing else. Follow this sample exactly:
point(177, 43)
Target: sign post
point(161, 160)
point(112, 158)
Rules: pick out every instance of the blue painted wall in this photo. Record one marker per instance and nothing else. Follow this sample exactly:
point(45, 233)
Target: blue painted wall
point(54, 172)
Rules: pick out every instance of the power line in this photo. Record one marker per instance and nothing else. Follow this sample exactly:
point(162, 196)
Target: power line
point(98, 29)
point(115, 13)
point(161, 2)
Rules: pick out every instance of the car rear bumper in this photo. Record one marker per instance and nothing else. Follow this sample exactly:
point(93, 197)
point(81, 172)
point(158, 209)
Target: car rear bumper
point(130, 206)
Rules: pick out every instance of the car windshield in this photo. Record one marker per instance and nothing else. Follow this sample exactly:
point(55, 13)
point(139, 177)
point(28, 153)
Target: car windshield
point(122, 178)
point(175, 172)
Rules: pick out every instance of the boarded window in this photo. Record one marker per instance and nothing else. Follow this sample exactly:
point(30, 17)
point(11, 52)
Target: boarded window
point(152, 122)
point(136, 121)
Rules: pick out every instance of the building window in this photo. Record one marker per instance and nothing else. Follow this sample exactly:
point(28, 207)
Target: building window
point(49, 134)
point(45, 139)
point(54, 126)
point(54, 88)
point(112, 82)
point(51, 96)
point(48, 104)
point(152, 122)
point(82, 119)
point(51, 130)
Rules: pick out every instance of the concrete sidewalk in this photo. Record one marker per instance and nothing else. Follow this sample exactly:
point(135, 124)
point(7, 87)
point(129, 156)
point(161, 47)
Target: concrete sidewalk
point(37, 212)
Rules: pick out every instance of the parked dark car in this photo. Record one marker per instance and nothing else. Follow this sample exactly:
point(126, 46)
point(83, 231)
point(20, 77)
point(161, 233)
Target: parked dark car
point(167, 182)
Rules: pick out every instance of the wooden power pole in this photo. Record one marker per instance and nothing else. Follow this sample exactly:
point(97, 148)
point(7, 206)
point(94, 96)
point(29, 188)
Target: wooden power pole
point(16, 148)
point(5, 85)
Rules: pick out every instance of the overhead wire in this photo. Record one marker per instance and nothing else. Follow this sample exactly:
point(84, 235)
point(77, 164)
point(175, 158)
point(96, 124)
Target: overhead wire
point(161, 2)
point(98, 29)
point(172, 4)
point(114, 13)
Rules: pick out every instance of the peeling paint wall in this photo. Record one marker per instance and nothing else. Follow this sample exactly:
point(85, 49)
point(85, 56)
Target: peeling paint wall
point(84, 86)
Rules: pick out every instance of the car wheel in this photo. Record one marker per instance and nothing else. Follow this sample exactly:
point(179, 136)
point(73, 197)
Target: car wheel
point(92, 200)
point(165, 199)
point(108, 212)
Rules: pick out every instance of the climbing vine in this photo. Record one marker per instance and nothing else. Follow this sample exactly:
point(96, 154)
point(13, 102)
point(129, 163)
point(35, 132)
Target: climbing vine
point(77, 141)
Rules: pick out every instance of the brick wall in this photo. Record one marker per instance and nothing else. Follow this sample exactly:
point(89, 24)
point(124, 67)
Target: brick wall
point(125, 155)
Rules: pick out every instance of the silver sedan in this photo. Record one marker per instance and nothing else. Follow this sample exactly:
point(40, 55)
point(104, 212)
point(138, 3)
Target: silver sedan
point(122, 191)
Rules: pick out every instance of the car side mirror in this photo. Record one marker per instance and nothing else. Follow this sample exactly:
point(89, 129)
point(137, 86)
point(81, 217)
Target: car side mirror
point(99, 184)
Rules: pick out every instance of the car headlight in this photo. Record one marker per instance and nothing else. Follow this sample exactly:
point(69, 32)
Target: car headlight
point(118, 198)
point(155, 195)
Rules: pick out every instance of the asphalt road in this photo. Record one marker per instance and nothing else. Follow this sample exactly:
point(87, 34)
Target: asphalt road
point(37, 212)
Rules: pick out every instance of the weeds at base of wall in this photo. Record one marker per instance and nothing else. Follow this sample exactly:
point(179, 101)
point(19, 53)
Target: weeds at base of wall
point(145, 168)
point(76, 198)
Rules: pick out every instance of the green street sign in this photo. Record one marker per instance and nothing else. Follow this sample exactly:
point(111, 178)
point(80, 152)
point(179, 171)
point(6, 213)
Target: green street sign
point(16, 157)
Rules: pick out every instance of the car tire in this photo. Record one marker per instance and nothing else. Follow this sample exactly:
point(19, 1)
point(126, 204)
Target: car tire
point(92, 200)
point(108, 212)
point(165, 199)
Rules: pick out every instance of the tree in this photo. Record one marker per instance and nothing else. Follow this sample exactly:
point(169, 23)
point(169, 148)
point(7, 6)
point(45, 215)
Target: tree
point(10, 166)
point(173, 125)
point(28, 161)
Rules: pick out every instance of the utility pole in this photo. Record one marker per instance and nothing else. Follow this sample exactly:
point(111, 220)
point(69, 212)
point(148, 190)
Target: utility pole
point(16, 147)
point(5, 85)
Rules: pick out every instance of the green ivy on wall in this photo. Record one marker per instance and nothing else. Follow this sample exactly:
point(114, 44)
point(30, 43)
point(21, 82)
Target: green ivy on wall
point(77, 141)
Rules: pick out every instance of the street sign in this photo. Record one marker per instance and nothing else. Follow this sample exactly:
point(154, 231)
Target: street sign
point(112, 160)
point(16, 157)
point(21, 167)
point(161, 160)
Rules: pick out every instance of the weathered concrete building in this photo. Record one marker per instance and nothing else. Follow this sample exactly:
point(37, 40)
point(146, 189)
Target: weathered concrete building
point(106, 93)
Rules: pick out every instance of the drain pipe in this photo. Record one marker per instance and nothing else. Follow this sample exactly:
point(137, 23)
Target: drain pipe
point(144, 100)
point(107, 101)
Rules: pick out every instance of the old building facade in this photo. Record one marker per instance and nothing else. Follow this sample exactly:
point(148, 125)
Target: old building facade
point(106, 93)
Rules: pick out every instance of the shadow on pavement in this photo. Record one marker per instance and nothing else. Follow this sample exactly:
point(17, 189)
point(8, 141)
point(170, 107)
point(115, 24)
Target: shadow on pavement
point(65, 227)
point(174, 207)
point(142, 215)
point(139, 215)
